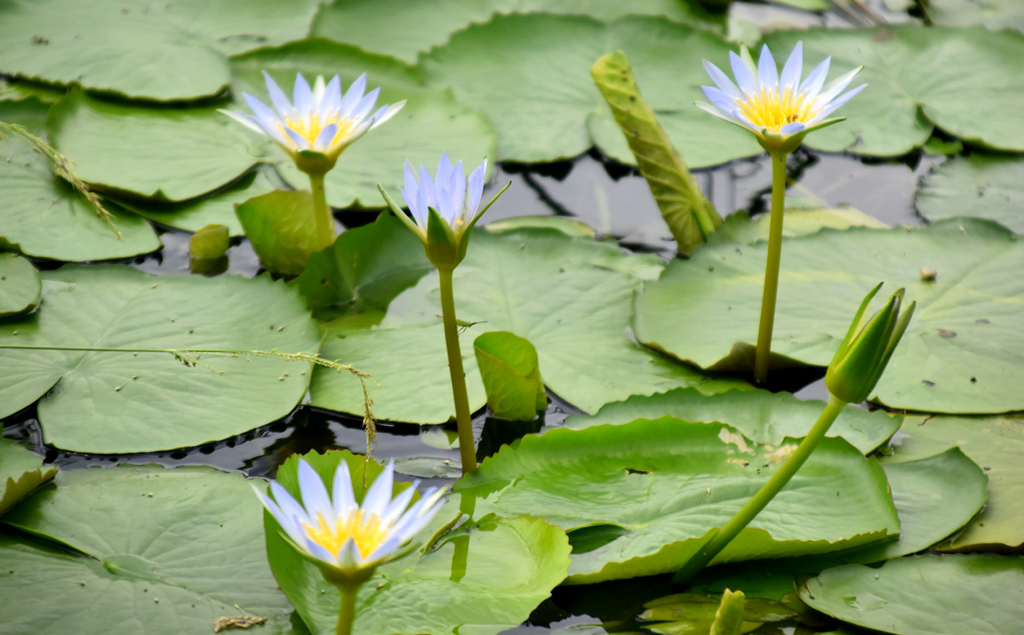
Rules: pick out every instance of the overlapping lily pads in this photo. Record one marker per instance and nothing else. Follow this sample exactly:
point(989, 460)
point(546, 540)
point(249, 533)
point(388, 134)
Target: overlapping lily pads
point(168, 51)
point(568, 296)
point(42, 216)
point(20, 473)
point(759, 415)
point(963, 348)
point(115, 402)
point(545, 111)
point(927, 595)
point(960, 80)
point(977, 185)
point(20, 285)
point(641, 498)
point(994, 443)
point(146, 548)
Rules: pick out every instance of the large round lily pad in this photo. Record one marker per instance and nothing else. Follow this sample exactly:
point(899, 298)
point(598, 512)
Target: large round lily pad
point(546, 111)
point(430, 122)
point(172, 50)
point(116, 402)
point(963, 81)
point(994, 443)
point(976, 185)
point(641, 498)
point(42, 216)
point(152, 550)
point(570, 297)
point(927, 595)
point(962, 352)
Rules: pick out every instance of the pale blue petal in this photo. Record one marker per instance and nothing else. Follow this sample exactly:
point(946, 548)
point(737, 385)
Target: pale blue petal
point(318, 552)
point(791, 71)
point(377, 115)
point(319, 88)
point(353, 96)
point(365, 105)
point(443, 176)
point(838, 85)
point(288, 505)
point(742, 74)
point(288, 523)
point(379, 495)
point(746, 123)
point(422, 213)
point(716, 111)
point(828, 110)
point(297, 139)
point(314, 495)
point(378, 118)
point(720, 99)
point(243, 119)
point(277, 96)
point(426, 185)
point(767, 71)
point(445, 204)
point(323, 140)
point(812, 85)
point(791, 128)
point(387, 548)
point(341, 491)
point(419, 515)
point(722, 80)
point(459, 191)
point(263, 113)
point(398, 505)
point(411, 192)
point(348, 556)
point(476, 187)
point(303, 96)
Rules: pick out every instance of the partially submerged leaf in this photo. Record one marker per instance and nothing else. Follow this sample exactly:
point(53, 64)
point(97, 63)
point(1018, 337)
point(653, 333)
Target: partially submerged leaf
point(21, 472)
point(20, 285)
point(282, 229)
point(511, 375)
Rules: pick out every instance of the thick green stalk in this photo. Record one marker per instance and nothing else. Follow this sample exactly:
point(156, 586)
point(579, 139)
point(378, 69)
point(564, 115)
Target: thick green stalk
point(347, 612)
point(321, 212)
point(451, 340)
point(771, 271)
point(760, 500)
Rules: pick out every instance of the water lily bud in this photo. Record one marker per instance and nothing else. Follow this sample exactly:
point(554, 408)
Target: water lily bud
point(866, 349)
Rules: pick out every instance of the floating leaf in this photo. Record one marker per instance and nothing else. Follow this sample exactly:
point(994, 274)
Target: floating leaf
point(483, 578)
point(281, 227)
point(995, 14)
point(927, 595)
point(977, 185)
point(759, 415)
point(568, 226)
point(919, 78)
point(740, 228)
point(209, 242)
point(116, 402)
point(20, 473)
point(170, 51)
point(568, 296)
point(511, 375)
point(20, 285)
point(960, 354)
point(42, 216)
point(161, 153)
point(146, 548)
point(994, 443)
point(430, 121)
point(544, 111)
point(656, 490)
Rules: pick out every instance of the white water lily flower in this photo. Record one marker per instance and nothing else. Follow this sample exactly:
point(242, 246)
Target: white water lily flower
point(776, 108)
point(455, 197)
point(320, 119)
point(341, 534)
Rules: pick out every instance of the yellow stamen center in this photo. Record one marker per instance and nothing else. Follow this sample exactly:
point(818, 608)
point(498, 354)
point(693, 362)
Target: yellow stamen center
point(367, 532)
point(309, 128)
point(772, 111)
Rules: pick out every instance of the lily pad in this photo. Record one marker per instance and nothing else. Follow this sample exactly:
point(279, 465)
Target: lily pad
point(169, 51)
point(146, 548)
point(546, 112)
point(511, 375)
point(641, 498)
point(117, 402)
point(927, 595)
point(414, 29)
point(20, 285)
point(160, 153)
point(431, 120)
point(42, 216)
point(281, 227)
point(994, 443)
point(963, 348)
point(481, 578)
point(740, 228)
point(960, 80)
point(20, 473)
point(759, 415)
point(568, 296)
point(977, 185)
point(995, 14)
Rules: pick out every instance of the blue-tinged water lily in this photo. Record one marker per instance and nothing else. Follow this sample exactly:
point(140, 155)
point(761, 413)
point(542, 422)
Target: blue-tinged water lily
point(780, 110)
point(444, 209)
point(346, 539)
point(319, 120)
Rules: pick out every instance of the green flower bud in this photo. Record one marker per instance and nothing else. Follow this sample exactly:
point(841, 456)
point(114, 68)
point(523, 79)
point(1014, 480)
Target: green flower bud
point(866, 349)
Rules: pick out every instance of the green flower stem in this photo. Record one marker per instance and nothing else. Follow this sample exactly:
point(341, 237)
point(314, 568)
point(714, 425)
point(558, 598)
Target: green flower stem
point(451, 340)
point(347, 612)
point(321, 212)
point(771, 272)
point(760, 500)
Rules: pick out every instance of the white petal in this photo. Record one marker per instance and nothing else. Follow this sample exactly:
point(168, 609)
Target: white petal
point(393, 109)
point(838, 85)
point(716, 111)
point(791, 71)
point(828, 110)
point(743, 76)
point(243, 119)
point(767, 71)
point(377, 498)
point(722, 80)
point(720, 99)
point(398, 505)
point(314, 495)
point(318, 92)
point(353, 96)
point(341, 492)
point(812, 85)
